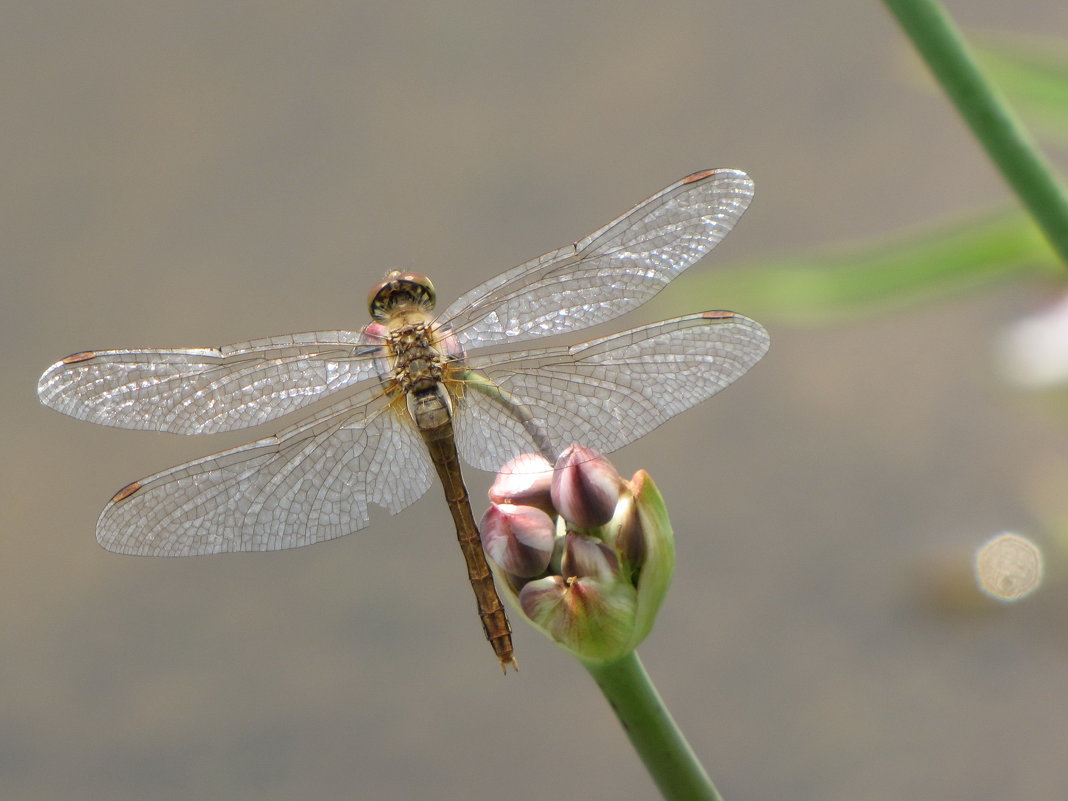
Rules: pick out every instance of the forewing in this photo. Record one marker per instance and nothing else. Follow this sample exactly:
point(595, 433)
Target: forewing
point(311, 482)
point(606, 393)
point(610, 272)
point(206, 390)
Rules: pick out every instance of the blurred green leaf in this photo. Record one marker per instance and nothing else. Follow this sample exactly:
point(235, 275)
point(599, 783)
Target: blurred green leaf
point(1033, 74)
point(823, 289)
point(937, 262)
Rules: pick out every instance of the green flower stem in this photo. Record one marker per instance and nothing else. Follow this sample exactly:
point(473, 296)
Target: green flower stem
point(1006, 142)
point(654, 735)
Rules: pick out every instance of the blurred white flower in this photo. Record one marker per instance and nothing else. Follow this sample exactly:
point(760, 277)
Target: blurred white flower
point(1033, 352)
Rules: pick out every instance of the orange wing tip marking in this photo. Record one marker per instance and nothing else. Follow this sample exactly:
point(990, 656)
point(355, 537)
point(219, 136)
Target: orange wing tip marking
point(126, 492)
point(719, 315)
point(83, 356)
point(694, 177)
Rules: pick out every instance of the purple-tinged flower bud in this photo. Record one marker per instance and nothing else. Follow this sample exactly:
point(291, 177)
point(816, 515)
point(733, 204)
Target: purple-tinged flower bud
point(587, 616)
point(525, 481)
point(519, 539)
point(587, 557)
point(627, 534)
point(585, 487)
point(594, 592)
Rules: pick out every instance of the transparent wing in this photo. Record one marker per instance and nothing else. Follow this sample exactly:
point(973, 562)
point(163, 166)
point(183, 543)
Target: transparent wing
point(206, 390)
point(489, 434)
point(312, 482)
point(605, 393)
point(612, 271)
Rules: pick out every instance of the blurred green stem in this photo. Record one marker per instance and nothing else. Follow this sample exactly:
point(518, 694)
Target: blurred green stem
point(1006, 142)
point(666, 754)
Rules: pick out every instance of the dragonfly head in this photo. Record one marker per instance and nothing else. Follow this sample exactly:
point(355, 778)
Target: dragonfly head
point(400, 291)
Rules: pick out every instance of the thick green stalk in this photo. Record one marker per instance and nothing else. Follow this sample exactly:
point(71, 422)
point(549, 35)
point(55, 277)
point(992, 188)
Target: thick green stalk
point(1006, 142)
point(666, 754)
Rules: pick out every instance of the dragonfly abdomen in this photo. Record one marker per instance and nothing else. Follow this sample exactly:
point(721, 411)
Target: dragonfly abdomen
point(441, 444)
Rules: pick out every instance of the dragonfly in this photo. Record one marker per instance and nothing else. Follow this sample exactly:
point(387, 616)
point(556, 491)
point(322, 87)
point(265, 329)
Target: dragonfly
point(413, 390)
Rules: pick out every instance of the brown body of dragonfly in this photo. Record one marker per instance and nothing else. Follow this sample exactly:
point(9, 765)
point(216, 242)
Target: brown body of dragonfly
point(420, 359)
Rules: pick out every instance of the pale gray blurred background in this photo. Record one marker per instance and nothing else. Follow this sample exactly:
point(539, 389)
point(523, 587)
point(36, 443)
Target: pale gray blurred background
point(205, 172)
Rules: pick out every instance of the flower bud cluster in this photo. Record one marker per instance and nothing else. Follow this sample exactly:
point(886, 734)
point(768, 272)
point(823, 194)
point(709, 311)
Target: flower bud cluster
point(585, 554)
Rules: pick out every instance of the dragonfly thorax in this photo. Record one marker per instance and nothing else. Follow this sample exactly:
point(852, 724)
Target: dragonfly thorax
point(417, 363)
point(418, 369)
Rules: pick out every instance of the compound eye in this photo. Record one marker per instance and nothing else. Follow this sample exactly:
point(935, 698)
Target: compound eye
point(398, 290)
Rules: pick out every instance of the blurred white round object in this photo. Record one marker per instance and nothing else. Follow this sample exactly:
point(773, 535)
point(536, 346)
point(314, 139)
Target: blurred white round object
point(1008, 567)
